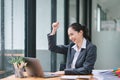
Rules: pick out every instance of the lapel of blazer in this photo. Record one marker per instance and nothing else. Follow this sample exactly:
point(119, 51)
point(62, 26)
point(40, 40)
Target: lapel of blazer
point(72, 54)
point(82, 52)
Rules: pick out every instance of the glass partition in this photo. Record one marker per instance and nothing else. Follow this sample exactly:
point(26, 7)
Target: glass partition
point(60, 32)
point(12, 39)
point(106, 32)
point(107, 15)
point(43, 27)
point(72, 11)
point(0, 42)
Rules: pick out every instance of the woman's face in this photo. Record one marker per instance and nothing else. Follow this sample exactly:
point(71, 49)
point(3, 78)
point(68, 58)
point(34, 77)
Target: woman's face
point(74, 35)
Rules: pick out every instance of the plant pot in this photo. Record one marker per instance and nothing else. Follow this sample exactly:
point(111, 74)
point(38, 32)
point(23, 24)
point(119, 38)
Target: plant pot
point(19, 72)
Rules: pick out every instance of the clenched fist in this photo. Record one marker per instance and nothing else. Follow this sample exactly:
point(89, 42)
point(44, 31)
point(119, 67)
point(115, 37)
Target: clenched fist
point(55, 26)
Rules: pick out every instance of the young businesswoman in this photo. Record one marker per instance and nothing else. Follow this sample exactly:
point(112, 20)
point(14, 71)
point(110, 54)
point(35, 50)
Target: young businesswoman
point(81, 53)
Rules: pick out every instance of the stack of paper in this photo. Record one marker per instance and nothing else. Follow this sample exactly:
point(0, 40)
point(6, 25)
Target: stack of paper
point(74, 77)
point(104, 75)
point(69, 77)
point(96, 74)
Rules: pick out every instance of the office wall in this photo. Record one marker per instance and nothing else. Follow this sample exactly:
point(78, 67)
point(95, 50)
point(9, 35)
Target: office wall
point(114, 11)
point(13, 30)
point(108, 49)
point(0, 38)
point(43, 23)
point(18, 24)
point(111, 8)
point(60, 32)
point(43, 27)
point(107, 42)
point(8, 28)
point(81, 11)
point(44, 57)
point(14, 24)
point(72, 11)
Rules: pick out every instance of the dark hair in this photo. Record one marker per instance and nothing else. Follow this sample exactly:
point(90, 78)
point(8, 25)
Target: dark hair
point(78, 27)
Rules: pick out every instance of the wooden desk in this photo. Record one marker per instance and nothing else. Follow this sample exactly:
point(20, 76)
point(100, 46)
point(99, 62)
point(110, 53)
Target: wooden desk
point(12, 77)
point(29, 78)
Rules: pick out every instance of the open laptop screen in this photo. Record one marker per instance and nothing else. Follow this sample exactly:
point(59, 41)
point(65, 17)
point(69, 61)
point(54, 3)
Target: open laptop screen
point(34, 68)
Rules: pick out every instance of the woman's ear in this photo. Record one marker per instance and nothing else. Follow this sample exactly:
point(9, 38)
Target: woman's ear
point(81, 31)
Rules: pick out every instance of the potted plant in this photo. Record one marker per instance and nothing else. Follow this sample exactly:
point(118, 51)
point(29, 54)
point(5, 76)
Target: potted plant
point(19, 64)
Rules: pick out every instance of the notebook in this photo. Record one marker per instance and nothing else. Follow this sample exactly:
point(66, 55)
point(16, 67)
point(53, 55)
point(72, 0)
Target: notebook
point(34, 68)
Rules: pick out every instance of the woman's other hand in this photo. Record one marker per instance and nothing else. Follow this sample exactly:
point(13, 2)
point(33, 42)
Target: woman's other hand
point(60, 73)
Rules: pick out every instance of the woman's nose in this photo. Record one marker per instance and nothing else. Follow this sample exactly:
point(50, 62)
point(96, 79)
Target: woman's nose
point(70, 38)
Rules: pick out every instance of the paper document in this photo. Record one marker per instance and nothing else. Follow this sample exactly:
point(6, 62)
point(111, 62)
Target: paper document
point(87, 77)
point(69, 77)
point(75, 77)
point(104, 75)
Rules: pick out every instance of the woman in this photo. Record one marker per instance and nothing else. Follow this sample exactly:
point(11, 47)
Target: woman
point(81, 53)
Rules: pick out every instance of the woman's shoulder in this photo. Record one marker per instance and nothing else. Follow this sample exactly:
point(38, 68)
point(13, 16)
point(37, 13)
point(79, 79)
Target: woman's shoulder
point(90, 44)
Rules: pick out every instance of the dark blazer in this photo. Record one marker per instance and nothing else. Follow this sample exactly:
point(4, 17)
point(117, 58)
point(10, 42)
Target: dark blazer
point(86, 59)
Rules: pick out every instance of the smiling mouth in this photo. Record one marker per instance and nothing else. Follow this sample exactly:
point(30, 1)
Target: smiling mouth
point(73, 40)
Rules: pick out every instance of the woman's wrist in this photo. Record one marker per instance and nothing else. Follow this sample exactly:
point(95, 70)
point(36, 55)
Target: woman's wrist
point(53, 32)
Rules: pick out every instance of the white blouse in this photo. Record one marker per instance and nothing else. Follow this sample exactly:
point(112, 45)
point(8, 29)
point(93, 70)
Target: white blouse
point(77, 52)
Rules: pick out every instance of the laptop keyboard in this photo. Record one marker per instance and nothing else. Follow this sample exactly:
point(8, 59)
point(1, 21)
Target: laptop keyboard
point(48, 75)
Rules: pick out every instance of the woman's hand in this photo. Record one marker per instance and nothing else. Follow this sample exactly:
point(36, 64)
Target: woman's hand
point(60, 73)
point(55, 26)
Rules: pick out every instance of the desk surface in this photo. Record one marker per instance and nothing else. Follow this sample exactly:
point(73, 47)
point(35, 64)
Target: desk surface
point(12, 77)
point(29, 78)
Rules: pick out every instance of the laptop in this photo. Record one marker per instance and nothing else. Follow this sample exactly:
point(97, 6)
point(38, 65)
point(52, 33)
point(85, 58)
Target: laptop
point(34, 68)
